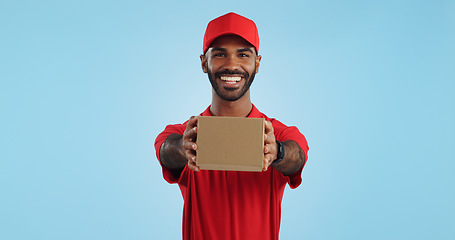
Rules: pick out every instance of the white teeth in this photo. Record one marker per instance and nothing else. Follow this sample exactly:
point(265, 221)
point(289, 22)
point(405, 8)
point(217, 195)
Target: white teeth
point(231, 79)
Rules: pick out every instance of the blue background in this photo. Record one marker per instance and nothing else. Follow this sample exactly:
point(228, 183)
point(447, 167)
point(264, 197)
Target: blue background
point(86, 86)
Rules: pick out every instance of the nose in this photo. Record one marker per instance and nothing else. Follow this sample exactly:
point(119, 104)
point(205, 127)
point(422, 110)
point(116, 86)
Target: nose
point(231, 64)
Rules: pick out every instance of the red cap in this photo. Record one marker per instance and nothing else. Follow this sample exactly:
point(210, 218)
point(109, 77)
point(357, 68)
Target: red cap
point(231, 23)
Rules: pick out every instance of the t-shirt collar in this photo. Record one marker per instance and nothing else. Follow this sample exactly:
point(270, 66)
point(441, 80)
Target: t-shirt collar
point(253, 114)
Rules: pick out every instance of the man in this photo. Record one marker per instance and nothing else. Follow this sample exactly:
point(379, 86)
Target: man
point(232, 204)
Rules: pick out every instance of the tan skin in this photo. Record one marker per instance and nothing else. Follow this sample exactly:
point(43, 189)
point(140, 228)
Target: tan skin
point(234, 54)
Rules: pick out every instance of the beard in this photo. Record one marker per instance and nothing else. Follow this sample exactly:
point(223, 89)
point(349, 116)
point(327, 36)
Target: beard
point(230, 94)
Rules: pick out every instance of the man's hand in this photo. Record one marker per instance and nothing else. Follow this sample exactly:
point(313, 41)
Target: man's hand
point(188, 143)
point(270, 146)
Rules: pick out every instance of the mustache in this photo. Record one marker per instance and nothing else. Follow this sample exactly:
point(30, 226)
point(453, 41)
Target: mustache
point(235, 72)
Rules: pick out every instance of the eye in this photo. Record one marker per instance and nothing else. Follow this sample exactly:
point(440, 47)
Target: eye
point(243, 55)
point(219, 54)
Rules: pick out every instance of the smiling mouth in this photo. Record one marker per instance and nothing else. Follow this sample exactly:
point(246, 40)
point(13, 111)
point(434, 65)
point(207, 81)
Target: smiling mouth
point(230, 80)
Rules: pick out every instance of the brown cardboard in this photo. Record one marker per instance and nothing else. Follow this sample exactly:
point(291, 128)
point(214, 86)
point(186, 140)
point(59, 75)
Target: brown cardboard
point(230, 143)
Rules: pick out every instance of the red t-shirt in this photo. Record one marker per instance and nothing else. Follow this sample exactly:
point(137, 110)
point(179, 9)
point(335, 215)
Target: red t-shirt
point(233, 204)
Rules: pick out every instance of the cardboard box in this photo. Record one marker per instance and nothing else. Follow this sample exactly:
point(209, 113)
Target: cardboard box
point(230, 143)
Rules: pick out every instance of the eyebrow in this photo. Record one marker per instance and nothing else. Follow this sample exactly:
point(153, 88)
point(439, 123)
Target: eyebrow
point(245, 50)
point(221, 49)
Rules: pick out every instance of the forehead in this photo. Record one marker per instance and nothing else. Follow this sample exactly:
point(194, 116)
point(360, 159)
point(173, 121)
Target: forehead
point(231, 41)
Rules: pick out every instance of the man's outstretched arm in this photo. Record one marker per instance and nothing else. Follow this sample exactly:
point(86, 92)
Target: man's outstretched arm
point(294, 157)
point(180, 150)
point(293, 160)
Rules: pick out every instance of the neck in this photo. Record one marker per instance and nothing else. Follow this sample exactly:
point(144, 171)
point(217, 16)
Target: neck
point(239, 108)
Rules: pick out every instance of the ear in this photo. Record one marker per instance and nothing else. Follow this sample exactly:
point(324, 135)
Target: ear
point(258, 61)
point(204, 63)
